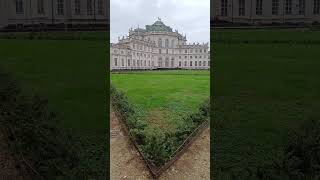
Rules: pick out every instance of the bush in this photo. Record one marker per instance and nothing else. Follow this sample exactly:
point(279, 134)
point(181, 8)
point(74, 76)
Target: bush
point(34, 132)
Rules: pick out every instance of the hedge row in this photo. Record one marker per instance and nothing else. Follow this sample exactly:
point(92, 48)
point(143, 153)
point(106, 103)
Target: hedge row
point(157, 146)
point(33, 131)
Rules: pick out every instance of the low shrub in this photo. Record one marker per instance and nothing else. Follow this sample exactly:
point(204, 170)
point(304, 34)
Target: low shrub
point(33, 131)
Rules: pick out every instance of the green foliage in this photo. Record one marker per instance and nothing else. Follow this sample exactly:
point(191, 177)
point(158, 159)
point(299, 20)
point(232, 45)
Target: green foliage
point(34, 132)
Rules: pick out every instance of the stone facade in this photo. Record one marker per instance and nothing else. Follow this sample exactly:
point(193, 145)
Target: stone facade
point(51, 12)
point(155, 47)
point(267, 11)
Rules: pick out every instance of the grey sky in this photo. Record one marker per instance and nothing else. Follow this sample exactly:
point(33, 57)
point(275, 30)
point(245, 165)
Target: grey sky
point(190, 17)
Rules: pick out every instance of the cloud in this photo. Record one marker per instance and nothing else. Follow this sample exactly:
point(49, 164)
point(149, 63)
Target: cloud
point(190, 17)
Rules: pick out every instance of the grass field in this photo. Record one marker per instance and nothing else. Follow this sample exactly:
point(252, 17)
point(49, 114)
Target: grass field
point(266, 83)
point(164, 96)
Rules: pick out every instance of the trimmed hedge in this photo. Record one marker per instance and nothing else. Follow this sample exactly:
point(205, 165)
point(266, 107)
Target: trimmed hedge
point(157, 146)
point(33, 131)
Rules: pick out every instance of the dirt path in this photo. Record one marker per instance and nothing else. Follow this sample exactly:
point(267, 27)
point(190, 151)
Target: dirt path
point(126, 162)
point(8, 167)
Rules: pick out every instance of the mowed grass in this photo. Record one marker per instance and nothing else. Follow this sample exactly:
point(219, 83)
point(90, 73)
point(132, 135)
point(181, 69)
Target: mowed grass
point(261, 91)
point(70, 74)
point(164, 96)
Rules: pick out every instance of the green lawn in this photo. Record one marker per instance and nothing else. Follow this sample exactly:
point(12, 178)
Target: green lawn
point(164, 96)
point(266, 82)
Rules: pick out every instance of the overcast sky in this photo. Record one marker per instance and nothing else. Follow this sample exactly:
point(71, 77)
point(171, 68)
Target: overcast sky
point(190, 17)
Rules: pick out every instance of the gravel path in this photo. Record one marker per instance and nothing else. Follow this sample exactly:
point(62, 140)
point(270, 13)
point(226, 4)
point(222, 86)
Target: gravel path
point(126, 163)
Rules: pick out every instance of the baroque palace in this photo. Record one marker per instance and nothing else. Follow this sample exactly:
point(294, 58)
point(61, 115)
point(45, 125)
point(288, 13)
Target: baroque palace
point(267, 11)
point(157, 47)
point(24, 14)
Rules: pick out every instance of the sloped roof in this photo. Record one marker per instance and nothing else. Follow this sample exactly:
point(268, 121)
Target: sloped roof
point(158, 26)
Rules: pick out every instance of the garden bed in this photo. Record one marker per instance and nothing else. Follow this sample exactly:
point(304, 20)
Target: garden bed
point(157, 158)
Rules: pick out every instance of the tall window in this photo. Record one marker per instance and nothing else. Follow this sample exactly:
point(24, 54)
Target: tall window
point(100, 7)
point(159, 42)
point(77, 7)
point(89, 7)
point(241, 7)
point(224, 7)
point(160, 62)
point(40, 7)
point(275, 7)
point(172, 43)
point(302, 6)
point(60, 7)
point(19, 6)
point(316, 6)
point(167, 43)
point(288, 6)
point(115, 61)
point(259, 7)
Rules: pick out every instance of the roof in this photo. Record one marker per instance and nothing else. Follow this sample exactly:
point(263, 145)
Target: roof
point(158, 26)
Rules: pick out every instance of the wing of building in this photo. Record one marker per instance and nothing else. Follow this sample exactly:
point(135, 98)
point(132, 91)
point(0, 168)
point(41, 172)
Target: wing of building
point(267, 11)
point(157, 47)
point(21, 14)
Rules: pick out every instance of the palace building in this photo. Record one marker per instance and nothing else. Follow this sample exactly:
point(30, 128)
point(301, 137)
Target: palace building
point(267, 11)
point(157, 47)
point(21, 14)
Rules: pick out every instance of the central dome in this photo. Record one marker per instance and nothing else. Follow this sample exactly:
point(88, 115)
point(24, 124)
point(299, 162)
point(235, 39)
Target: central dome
point(158, 26)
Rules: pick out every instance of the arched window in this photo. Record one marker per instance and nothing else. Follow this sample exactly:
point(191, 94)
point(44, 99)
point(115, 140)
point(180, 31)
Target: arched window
point(115, 61)
point(89, 7)
point(77, 7)
point(167, 43)
point(159, 42)
point(160, 62)
point(172, 43)
point(167, 62)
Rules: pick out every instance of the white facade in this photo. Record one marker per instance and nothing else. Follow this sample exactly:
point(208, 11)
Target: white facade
point(157, 47)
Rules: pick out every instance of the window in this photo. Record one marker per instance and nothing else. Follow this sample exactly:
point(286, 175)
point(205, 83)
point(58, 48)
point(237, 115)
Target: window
point(200, 57)
point(167, 51)
point(190, 63)
point(167, 43)
point(186, 51)
point(185, 63)
point(241, 7)
point(172, 63)
point(275, 7)
point(208, 63)
point(259, 7)
point(77, 7)
point(122, 62)
point(152, 63)
point(89, 7)
point(179, 57)
point(60, 7)
point(288, 6)
point(204, 50)
point(200, 50)
point(196, 50)
point(196, 57)
point(199, 63)
point(195, 63)
point(134, 62)
point(185, 57)
point(160, 62)
point(204, 63)
point(190, 57)
point(224, 8)
point(115, 61)
point(145, 63)
point(167, 62)
point(159, 42)
point(179, 63)
point(40, 7)
point(100, 7)
point(316, 7)
point(19, 6)
point(159, 51)
point(302, 7)
point(148, 63)
point(128, 62)
point(172, 43)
